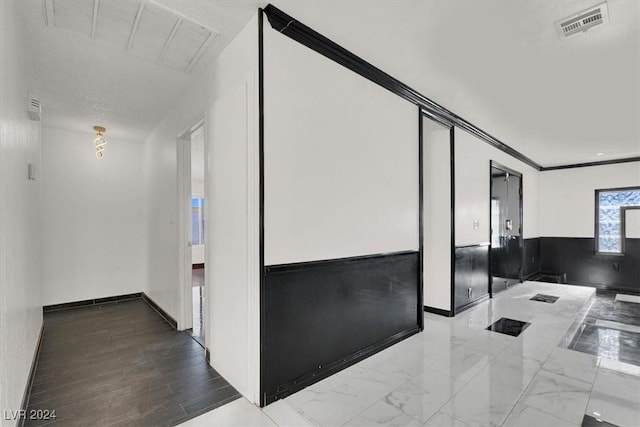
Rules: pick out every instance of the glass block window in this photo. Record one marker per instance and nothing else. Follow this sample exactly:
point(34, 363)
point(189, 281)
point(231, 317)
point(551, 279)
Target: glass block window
point(197, 220)
point(609, 221)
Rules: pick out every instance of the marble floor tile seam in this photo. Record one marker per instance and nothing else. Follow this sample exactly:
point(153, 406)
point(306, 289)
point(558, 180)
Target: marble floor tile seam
point(359, 414)
point(409, 415)
point(617, 326)
point(591, 392)
point(627, 298)
point(506, 384)
point(622, 367)
point(560, 420)
point(526, 394)
point(452, 407)
point(303, 415)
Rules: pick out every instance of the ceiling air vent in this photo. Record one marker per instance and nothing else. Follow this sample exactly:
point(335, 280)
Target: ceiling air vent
point(584, 20)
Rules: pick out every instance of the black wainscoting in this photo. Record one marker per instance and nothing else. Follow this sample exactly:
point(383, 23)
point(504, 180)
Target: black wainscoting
point(575, 257)
point(472, 272)
point(531, 265)
point(320, 317)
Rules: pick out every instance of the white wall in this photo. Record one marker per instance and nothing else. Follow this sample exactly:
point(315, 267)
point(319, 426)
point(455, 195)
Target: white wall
point(437, 215)
point(567, 196)
point(633, 224)
point(20, 256)
point(341, 168)
point(93, 217)
point(234, 167)
point(232, 282)
point(472, 173)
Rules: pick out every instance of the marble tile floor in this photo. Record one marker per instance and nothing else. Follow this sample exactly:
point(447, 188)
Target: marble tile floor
point(456, 373)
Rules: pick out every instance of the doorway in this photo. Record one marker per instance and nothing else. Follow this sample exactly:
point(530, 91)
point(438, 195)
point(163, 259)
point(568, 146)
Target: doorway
point(197, 233)
point(507, 244)
point(192, 202)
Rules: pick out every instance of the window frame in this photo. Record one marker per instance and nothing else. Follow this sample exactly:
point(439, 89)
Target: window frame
point(596, 235)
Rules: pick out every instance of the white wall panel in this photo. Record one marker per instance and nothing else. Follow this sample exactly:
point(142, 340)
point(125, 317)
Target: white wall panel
point(567, 196)
point(633, 224)
point(228, 130)
point(93, 217)
point(232, 335)
point(20, 252)
point(473, 193)
point(341, 160)
point(437, 215)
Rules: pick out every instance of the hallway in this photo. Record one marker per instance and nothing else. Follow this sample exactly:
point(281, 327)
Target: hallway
point(378, 183)
point(122, 364)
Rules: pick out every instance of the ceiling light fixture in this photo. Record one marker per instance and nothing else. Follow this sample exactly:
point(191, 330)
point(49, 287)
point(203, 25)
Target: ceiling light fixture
point(99, 141)
point(599, 154)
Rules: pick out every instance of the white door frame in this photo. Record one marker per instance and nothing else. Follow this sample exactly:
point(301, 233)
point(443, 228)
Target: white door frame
point(185, 267)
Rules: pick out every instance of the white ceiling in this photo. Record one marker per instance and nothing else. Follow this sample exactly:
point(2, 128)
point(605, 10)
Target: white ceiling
point(85, 82)
point(499, 64)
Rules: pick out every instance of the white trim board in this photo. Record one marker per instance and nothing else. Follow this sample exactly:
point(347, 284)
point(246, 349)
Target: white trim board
point(628, 298)
point(618, 326)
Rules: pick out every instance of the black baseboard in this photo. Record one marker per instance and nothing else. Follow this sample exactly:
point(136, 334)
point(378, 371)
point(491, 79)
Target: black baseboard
point(607, 288)
point(330, 369)
point(207, 355)
point(90, 302)
point(472, 304)
point(32, 374)
point(438, 311)
point(160, 311)
point(530, 276)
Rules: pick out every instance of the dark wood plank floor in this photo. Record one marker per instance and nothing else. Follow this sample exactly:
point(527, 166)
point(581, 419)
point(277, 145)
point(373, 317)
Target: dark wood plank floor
point(121, 364)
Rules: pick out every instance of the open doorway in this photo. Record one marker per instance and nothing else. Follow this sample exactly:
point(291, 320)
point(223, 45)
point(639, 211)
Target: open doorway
point(192, 202)
point(197, 233)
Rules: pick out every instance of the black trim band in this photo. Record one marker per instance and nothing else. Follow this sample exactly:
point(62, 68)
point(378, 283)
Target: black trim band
point(296, 266)
point(474, 245)
point(588, 164)
point(90, 302)
point(32, 374)
point(452, 219)
point(438, 311)
point(261, 192)
point(170, 320)
point(296, 30)
point(420, 301)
